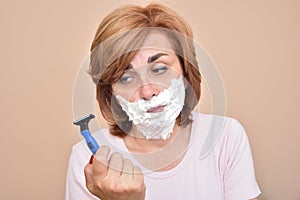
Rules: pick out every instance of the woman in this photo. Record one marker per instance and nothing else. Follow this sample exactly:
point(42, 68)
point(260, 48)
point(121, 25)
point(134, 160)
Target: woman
point(143, 62)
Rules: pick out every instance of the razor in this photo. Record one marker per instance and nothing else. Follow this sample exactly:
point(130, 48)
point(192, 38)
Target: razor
point(85, 132)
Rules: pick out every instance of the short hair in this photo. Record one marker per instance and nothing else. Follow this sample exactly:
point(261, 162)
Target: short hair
point(107, 64)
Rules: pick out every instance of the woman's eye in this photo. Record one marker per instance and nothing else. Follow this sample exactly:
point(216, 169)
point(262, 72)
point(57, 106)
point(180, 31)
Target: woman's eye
point(125, 78)
point(159, 70)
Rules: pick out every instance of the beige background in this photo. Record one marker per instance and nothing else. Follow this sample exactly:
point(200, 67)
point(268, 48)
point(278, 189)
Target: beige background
point(255, 45)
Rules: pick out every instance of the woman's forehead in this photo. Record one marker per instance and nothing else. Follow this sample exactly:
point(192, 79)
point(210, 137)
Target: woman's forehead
point(156, 43)
point(157, 40)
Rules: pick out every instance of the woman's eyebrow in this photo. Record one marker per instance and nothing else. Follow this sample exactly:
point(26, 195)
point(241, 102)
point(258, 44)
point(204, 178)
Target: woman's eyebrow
point(155, 57)
point(128, 67)
point(150, 59)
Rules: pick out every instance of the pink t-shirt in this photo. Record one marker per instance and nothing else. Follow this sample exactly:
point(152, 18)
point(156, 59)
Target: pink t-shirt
point(217, 165)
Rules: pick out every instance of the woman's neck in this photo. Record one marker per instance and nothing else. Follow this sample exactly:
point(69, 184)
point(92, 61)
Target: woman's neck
point(136, 143)
point(159, 154)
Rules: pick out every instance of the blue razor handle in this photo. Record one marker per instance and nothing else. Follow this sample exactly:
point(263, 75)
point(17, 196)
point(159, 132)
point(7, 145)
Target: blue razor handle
point(90, 141)
point(84, 129)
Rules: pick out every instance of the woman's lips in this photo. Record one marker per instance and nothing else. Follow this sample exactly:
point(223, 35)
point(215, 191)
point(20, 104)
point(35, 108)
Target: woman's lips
point(156, 109)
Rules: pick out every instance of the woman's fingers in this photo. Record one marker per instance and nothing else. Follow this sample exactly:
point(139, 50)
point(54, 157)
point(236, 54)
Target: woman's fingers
point(114, 178)
point(100, 163)
point(138, 174)
point(127, 172)
point(115, 166)
point(127, 167)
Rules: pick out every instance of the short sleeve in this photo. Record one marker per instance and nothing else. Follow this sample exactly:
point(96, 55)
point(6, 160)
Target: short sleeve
point(75, 183)
point(239, 176)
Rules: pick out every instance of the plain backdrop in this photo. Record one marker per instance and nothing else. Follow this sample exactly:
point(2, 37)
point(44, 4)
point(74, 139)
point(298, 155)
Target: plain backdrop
point(255, 45)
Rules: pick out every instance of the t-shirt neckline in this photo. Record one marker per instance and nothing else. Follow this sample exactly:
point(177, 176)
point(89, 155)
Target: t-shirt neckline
point(180, 166)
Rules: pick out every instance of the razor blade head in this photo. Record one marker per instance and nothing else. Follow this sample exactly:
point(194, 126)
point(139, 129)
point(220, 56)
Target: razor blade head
point(83, 122)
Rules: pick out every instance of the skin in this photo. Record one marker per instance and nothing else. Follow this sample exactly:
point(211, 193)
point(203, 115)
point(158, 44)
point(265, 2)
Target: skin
point(114, 177)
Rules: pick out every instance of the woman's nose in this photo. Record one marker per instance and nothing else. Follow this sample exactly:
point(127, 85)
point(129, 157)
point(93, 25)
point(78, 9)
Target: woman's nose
point(146, 92)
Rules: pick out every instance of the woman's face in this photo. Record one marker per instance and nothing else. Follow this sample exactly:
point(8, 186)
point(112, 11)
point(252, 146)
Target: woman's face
point(150, 71)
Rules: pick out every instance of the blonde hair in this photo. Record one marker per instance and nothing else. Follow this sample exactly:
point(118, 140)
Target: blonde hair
point(119, 36)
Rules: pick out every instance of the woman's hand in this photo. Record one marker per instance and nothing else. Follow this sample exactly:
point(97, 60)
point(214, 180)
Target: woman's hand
point(115, 178)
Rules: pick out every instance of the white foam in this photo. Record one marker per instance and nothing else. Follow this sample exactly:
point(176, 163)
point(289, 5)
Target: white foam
point(157, 125)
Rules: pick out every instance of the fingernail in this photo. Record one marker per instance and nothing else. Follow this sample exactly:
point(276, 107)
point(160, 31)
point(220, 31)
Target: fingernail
point(91, 160)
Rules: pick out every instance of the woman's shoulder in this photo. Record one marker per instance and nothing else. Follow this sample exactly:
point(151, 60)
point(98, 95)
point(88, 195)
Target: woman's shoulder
point(217, 132)
point(216, 123)
point(213, 123)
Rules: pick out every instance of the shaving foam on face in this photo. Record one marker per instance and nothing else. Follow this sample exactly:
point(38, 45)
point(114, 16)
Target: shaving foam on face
point(157, 125)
